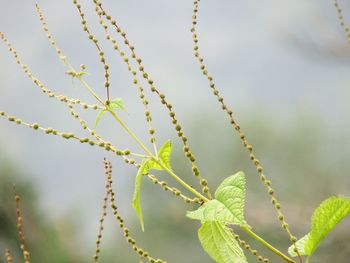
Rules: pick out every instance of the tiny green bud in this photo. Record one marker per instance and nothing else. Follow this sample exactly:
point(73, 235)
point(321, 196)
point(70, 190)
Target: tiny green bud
point(285, 225)
point(67, 135)
point(204, 182)
point(84, 140)
point(48, 130)
point(11, 118)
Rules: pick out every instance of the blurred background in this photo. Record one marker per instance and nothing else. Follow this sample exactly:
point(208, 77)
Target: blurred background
point(282, 66)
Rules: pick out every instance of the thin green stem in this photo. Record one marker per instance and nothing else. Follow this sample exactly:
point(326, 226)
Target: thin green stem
point(182, 182)
point(80, 78)
point(139, 155)
point(155, 149)
point(90, 90)
point(266, 244)
point(126, 128)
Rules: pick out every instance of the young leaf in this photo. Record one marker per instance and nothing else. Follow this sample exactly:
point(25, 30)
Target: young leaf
point(164, 156)
point(136, 202)
point(99, 116)
point(114, 104)
point(324, 219)
point(146, 166)
point(118, 103)
point(220, 244)
point(165, 153)
point(228, 205)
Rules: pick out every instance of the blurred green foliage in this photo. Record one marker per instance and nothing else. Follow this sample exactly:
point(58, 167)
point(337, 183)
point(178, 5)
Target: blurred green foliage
point(47, 241)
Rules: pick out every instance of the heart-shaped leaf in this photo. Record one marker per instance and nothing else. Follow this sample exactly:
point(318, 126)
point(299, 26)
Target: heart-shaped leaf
point(228, 205)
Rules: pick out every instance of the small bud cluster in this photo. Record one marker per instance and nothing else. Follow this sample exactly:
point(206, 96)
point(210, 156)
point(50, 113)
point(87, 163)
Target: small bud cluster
point(61, 56)
point(233, 122)
point(8, 256)
point(101, 227)
point(39, 84)
point(341, 20)
point(189, 154)
point(36, 126)
point(141, 252)
point(100, 51)
point(20, 230)
point(246, 246)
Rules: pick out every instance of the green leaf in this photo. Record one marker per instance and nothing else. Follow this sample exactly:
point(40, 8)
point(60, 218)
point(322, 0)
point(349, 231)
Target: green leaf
point(136, 202)
point(228, 205)
point(218, 241)
point(231, 193)
point(165, 153)
point(99, 116)
point(324, 219)
point(117, 103)
point(300, 246)
point(212, 211)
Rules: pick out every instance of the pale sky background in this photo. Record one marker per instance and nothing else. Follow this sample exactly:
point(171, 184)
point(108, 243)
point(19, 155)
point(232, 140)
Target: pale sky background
point(278, 59)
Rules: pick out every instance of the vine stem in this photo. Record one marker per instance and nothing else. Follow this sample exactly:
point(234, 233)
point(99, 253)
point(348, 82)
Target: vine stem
point(266, 244)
